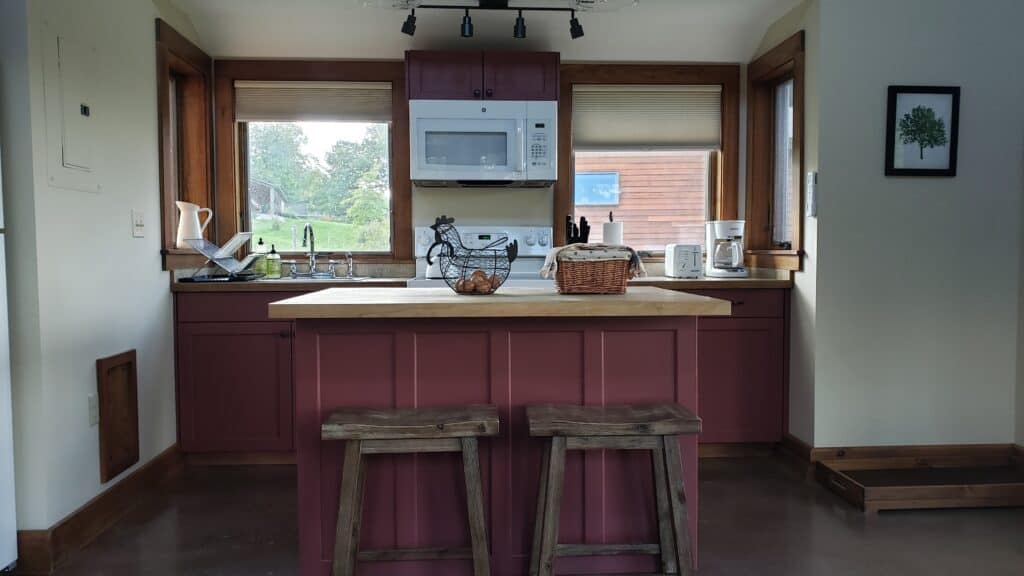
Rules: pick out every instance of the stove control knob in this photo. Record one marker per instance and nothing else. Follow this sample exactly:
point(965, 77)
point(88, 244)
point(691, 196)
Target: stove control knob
point(544, 240)
point(531, 240)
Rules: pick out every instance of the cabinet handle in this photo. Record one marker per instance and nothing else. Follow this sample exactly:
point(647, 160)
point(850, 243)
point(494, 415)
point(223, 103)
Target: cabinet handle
point(476, 93)
point(736, 302)
point(284, 334)
point(490, 93)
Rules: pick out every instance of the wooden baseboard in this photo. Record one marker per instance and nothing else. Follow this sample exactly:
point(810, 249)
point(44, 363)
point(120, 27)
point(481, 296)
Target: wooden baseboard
point(239, 458)
point(795, 448)
point(40, 551)
point(736, 450)
point(901, 456)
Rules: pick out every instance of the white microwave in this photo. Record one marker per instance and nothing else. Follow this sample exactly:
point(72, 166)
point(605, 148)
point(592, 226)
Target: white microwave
point(483, 143)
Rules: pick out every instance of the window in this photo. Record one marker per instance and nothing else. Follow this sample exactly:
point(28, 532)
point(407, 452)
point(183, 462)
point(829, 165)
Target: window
point(332, 175)
point(184, 102)
point(774, 157)
point(317, 153)
point(596, 188)
point(645, 153)
point(660, 196)
point(787, 168)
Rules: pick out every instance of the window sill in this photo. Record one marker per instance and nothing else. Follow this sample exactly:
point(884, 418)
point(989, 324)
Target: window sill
point(778, 259)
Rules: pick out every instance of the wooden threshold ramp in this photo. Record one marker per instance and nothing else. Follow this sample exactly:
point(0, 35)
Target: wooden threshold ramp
point(939, 481)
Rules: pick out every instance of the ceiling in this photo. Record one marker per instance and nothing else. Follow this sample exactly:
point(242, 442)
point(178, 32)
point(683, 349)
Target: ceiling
point(653, 30)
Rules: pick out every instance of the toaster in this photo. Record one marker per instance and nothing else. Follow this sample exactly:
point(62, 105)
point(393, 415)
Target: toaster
point(683, 260)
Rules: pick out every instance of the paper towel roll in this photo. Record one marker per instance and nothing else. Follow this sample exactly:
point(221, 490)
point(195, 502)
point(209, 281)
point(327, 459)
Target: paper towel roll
point(612, 233)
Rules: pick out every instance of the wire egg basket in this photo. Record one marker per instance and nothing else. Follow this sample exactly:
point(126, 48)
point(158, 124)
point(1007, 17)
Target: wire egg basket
point(471, 271)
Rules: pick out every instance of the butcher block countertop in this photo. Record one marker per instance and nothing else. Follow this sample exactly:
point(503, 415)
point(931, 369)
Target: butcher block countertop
point(505, 303)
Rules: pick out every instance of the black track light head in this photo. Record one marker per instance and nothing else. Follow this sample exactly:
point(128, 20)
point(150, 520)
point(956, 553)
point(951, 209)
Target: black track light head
point(467, 25)
point(519, 31)
point(409, 27)
point(575, 28)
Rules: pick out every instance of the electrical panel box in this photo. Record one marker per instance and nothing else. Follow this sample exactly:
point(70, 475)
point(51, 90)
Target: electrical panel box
point(71, 125)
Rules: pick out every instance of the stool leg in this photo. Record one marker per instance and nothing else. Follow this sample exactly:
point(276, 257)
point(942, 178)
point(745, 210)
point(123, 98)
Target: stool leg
point(346, 536)
point(552, 506)
point(475, 505)
point(677, 498)
point(666, 533)
point(538, 519)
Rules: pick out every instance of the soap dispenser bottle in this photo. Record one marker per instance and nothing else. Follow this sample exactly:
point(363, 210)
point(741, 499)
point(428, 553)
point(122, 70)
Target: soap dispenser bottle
point(273, 264)
point(260, 266)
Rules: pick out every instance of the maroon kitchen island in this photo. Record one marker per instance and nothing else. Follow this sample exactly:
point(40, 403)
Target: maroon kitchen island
point(420, 347)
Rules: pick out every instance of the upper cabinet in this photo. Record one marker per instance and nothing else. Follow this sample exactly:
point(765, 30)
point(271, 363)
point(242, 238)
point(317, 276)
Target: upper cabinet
point(433, 75)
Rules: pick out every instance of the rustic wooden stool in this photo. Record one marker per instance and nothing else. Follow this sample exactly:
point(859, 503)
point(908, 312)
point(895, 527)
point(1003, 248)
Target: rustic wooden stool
point(653, 427)
point(403, 432)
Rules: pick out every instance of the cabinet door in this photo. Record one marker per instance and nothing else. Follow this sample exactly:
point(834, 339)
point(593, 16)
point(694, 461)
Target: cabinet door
point(235, 386)
point(740, 372)
point(444, 75)
point(521, 75)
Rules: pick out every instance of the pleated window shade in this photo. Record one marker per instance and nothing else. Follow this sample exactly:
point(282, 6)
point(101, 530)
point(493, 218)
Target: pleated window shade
point(309, 101)
point(624, 117)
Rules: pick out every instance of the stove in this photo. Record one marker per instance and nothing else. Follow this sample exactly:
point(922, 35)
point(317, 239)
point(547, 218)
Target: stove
point(534, 243)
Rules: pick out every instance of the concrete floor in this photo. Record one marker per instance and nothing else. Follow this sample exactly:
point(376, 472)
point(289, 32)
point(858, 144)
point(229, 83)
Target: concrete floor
point(758, 517)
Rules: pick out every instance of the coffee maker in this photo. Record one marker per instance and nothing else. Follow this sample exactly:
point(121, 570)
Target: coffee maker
point(724, 243)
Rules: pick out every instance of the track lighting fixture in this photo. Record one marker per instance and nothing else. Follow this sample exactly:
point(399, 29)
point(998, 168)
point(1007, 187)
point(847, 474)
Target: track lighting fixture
point(467, 25)
point(410, 24)
point(575, 28)
point(519, 31)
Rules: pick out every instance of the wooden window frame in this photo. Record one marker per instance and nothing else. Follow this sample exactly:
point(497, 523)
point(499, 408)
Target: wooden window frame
point(185, 149)
point(782, 63)
point(724, 166)
point(231, 201)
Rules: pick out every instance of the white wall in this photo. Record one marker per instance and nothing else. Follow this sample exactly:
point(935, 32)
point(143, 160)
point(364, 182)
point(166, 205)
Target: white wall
point(83, 287)
point(915, 338)
point(670, 30)
point(803, 298)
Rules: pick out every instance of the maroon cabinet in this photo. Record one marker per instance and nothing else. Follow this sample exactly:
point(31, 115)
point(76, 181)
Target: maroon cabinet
point(741, 368)
point(234, 372)
point(235, 386)
point(439, 75)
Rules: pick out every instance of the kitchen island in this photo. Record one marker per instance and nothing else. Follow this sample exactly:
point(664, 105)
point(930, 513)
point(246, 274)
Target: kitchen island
point(390, 348)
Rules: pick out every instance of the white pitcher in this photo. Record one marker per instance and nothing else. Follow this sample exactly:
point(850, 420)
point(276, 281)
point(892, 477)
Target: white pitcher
point(188, 223)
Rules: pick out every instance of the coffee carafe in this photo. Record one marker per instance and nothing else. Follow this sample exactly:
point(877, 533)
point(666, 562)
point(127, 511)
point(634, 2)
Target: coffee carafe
point(724, 245)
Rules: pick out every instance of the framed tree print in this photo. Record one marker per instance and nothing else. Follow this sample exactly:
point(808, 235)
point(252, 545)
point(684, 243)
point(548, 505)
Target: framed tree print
point(922, 125)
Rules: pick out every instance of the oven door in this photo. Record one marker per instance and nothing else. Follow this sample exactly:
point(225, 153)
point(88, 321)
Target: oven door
point(467, 141)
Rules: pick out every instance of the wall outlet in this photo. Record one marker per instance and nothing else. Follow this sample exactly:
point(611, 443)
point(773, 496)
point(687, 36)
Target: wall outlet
point(138, 224)
point(94, 410)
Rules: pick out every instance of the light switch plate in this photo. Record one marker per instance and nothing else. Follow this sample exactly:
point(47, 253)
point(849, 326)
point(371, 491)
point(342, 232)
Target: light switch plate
point(138, 224)
point(94, 410)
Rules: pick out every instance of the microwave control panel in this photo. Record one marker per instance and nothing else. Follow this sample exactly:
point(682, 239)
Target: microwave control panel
point(541, 151)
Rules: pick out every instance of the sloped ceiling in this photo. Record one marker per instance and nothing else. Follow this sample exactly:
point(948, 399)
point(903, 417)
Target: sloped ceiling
point(652, 30)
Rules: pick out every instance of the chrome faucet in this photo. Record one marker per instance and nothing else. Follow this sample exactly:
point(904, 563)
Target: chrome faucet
point(348, 256)
point(307, 229)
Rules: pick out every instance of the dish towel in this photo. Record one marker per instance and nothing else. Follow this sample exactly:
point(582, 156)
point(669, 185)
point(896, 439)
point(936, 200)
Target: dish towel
point(593, 252)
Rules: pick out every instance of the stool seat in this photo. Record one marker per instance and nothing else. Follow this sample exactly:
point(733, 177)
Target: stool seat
point(422, 423)
point(628, 420)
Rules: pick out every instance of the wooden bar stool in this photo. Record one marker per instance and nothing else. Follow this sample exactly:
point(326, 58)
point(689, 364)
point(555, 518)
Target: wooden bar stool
point(403, 432)
point(654, 427)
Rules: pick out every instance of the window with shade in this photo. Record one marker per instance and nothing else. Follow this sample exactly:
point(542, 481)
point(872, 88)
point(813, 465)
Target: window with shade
point(646, 153)
point(316, 153)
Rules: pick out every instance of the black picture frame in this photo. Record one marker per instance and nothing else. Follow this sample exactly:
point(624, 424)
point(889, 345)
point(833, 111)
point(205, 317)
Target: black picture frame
point(891, 122)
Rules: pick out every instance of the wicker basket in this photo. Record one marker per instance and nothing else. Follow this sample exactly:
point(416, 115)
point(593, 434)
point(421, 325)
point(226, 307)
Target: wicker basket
point(592, 276)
